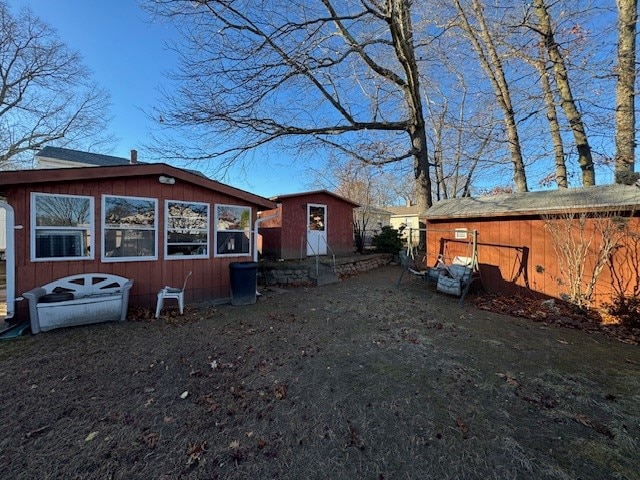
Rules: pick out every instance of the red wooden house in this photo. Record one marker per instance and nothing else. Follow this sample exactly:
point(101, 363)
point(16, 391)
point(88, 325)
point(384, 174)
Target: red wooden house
point(152, 223)
point(309, 223)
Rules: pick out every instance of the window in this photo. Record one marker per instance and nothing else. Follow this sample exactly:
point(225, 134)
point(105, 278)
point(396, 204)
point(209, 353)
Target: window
point(62, 227)
point(129, 228)
point(233, 230)
point(187, 229)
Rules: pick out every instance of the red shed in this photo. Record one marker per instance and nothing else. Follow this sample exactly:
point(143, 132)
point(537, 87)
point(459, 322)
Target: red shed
point(309, 223)
point(152, 223)
point(516, 250)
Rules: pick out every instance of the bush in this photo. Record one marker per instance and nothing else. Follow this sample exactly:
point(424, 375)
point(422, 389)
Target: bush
point(627, 309)
point(388, 241)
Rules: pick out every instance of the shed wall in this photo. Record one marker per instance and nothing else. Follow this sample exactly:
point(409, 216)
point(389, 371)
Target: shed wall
point(517, 256)
point(291, 229)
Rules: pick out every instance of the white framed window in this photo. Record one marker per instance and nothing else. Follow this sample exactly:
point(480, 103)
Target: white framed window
point(233, 230)
point(62, 227)
point(186, 229)
point(129, 228)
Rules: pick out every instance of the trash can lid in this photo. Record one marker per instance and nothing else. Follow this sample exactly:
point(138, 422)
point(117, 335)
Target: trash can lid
point(243, 265)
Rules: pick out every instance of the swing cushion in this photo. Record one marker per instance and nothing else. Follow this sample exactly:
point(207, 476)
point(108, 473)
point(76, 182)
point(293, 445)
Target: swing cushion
point(452, 286)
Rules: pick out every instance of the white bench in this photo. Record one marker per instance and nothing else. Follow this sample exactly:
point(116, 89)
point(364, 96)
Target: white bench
point(78, 300)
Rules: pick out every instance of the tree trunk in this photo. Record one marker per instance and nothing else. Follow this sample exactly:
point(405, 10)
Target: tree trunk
point(552, 117)
point(625, 96)
point(399, 18)
point(491, 63)
point(561, 76)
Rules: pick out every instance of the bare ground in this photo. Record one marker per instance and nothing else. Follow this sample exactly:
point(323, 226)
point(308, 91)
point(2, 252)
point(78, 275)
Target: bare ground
point(358, 379)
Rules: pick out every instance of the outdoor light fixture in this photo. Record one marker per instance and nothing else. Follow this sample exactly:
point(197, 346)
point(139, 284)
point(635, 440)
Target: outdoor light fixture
point(166, 180)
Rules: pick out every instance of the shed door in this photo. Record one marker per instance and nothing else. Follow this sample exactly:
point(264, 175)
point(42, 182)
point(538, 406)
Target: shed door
point(316, 229)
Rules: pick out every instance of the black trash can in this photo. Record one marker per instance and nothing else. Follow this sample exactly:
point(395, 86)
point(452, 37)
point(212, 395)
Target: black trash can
point(243, 277)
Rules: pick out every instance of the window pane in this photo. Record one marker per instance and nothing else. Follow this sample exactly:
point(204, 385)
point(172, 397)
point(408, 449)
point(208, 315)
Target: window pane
point(233, 218)
point(61, 243)
point(316, 218)
point(129, 212)
point(129, 243)
point(62, 226)
point(129, 227)
point(187, 228)
point(232, 243)
point(62, 211)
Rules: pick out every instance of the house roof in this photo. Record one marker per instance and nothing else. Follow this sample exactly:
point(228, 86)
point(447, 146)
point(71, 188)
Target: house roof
point(373, 210)
point(279, 198)
point(57, 175)
point(403, 210)
point(77, 156)
point(600, 198)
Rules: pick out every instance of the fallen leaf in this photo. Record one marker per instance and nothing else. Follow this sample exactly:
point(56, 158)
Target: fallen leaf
point(91, 436)
point(462, 427)
point(281, 391)
point(195, 452)
point(509, 379)
point(184, 394)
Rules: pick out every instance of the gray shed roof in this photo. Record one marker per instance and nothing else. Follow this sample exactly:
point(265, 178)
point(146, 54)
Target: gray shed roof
point(78, 156)
point(606, 197)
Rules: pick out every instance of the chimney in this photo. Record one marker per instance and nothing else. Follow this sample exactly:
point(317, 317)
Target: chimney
point(134, 157)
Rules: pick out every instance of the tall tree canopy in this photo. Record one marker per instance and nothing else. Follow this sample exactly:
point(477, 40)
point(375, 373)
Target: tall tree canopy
point(386, 81)
point(45, 94)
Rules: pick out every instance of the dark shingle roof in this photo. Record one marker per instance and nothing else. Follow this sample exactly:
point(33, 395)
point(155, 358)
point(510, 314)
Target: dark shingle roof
point(80, 157)
point(606, 197)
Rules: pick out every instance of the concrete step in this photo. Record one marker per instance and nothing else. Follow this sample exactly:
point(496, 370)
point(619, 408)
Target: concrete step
point(325, 279)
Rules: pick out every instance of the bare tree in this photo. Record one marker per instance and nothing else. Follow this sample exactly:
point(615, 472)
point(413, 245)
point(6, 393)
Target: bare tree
point(472, 21)
point(583, 244)
point(561, 75)
point(625, 91)
point(319, 73)
point(44, 95)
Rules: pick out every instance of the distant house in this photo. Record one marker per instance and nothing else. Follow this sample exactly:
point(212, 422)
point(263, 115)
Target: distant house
point(515, 250)
point(58, 157)
point(308, 224)
point(407, 218)
point(369, 221)
point(150, 222)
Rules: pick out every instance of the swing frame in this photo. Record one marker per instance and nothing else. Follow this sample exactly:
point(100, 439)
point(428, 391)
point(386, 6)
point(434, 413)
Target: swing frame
point(455, 269)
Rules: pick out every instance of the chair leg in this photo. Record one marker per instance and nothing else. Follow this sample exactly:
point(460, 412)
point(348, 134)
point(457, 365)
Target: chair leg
point(159, 305)
point(181, 304)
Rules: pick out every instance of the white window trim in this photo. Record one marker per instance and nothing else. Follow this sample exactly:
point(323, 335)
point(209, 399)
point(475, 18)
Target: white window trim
point(32, 234)
point(460, 233)
point(166, 231)
point(106, 259)
point(215, 229)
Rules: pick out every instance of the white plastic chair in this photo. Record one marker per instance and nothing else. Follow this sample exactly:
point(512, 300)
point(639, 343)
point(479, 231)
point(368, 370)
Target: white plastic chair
point(172, 292)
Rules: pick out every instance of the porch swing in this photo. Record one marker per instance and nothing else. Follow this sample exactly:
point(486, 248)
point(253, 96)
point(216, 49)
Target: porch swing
point(455, 267)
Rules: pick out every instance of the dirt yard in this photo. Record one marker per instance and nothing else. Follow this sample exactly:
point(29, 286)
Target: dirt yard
point(355, 380)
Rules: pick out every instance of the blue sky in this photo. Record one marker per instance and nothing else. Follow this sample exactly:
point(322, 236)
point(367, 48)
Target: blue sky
point(128, 56)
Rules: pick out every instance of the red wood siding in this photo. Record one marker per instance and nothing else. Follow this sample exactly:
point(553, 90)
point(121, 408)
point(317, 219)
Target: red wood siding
point(210, 278)
point(516, 256)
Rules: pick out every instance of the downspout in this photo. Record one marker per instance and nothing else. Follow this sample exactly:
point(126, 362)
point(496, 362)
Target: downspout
point(10, 259)
point(255, 236)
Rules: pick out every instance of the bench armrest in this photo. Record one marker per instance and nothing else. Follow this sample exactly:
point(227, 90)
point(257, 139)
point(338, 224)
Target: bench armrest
point(33, 296)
